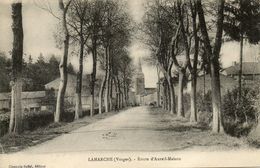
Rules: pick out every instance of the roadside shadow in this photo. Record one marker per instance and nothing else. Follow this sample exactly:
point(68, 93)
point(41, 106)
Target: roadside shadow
point(184, 128)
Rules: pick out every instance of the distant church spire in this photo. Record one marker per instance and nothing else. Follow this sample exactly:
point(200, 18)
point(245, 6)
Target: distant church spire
point(139, 79)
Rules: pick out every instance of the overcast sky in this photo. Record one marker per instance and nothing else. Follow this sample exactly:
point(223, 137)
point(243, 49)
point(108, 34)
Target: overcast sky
point(39, 26)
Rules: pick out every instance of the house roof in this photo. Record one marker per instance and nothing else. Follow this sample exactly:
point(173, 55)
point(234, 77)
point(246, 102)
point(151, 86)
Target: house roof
point(222, 77)
point(249, 68)
point(72, 82)
point(71, 79)
point(32, 95)
point(150, 90)
point(25, 95)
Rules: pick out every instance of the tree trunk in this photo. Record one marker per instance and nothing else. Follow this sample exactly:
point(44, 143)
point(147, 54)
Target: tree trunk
point(172, 99)
point(107, 95)
point(119, 92)
point(117, 95)
point(93, 79)
point(158, 88)
point(125, 95)
point(204, 83)
point(122, 96)
point(101, 93)
point(119, 100)
point(164, 98)
point(193, 95)
point(165, 94)
point(123, 99)
point(63, 65)
point(12, 115)
point(106, 99)
point(92, 105)
point(216, 99)
point(180, 112)
point(171, 95)
point(158, 93)
point(214, 62)
point(78, 109)
point(240, 68)
point(111, 105)
point(15, 125)
point(193, 99)
point(93, 76)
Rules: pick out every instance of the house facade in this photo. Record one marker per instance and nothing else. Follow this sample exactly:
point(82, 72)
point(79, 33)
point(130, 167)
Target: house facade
point(227, 83)
point(70, 96)
point(31, 101)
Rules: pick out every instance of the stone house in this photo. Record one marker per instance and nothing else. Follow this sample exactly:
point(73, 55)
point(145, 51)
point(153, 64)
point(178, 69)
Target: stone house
point(31, 101)
point(71, 89)
point(204, 84)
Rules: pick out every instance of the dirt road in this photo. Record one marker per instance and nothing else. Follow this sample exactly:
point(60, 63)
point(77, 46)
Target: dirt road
point(138, 129)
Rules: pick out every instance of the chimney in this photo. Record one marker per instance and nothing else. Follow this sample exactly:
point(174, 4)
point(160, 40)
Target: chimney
point(234, 63)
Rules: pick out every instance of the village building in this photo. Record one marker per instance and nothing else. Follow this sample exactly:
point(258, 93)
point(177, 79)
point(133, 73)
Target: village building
point(70, 96)
point(46, 99)
point(227, 83)
point(31, 101)
point(250, 71)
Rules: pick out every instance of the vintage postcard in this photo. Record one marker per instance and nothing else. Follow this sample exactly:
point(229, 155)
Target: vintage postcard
point(129, 83)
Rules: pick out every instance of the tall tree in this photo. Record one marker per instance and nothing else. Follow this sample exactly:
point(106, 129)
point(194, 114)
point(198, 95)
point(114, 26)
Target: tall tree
point(15, 125)
point(213, 54)
point(187, 16)
point(182, 66)
point(126, 74)
point(103, 83)
point(241, 21)
point(193, 67)
point(95, 29)
point(78, 21)
point(63, 63)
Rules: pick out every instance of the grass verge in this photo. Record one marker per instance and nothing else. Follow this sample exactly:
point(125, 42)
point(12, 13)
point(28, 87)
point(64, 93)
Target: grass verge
point(10, 143)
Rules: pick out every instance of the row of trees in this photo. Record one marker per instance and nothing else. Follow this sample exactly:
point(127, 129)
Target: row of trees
point(180, 33)
point(101, 29)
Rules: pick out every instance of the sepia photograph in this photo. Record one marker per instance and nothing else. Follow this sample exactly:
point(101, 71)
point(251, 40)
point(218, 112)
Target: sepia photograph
point(129, 83)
